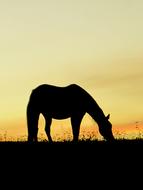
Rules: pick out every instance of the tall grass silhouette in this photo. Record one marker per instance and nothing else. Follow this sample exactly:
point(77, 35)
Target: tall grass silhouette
point(86, 135)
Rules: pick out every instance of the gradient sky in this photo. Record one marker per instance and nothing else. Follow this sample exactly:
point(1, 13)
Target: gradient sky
point(97, 44)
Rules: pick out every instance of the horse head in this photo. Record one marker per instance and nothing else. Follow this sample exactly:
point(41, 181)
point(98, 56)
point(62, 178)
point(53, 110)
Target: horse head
point(105, 128)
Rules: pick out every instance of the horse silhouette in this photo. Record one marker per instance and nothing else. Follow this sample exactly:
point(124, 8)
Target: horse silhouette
point(61, 103)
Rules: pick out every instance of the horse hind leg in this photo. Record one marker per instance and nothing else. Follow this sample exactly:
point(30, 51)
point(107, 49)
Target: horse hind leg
point(32, 124)
point(48, 128)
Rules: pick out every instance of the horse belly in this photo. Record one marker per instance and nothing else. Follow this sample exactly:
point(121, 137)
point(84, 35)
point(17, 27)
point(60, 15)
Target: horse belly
point(60, 116)
point(61, 105)
point(64, 111)
point(58, 110)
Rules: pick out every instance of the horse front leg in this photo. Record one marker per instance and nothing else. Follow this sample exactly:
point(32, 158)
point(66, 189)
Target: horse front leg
point(75, 122)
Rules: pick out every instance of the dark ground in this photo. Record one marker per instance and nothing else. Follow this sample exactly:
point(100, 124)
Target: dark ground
point(107, 164)
point(82, 149)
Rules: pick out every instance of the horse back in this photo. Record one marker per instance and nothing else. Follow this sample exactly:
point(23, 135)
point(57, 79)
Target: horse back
point(60, 96)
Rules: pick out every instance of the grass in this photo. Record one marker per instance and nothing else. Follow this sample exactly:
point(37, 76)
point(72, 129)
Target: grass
point(80, 142)
point(89, 139)
point(99, 153)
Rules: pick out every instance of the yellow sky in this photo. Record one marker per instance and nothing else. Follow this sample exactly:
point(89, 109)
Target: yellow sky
point(97, 44)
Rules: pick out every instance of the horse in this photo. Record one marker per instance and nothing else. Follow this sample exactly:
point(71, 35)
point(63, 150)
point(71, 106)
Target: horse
point(71, 101)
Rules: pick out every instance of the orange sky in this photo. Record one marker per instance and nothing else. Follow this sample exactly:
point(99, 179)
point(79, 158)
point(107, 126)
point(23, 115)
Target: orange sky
point(96, 44)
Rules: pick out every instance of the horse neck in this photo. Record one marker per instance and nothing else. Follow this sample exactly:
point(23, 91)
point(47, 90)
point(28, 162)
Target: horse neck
point(96, 112)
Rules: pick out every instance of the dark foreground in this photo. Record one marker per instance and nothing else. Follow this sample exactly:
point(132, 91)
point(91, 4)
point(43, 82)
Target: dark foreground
point(67, 148)
point(90, 153)
point(64, 159)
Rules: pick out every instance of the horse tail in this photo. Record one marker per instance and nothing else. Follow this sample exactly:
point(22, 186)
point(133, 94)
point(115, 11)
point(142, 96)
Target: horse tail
point(32, 119)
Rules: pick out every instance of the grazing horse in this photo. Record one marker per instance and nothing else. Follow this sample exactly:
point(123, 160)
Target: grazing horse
point(61, 103)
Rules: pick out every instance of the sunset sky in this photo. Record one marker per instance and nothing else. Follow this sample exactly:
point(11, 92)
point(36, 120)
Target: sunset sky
point(97, 44)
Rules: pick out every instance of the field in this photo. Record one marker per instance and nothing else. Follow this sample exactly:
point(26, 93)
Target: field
point(88, 148)
point(63, 158)
point(80, 147)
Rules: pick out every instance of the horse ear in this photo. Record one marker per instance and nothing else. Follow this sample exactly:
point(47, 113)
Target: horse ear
point(108, 116)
